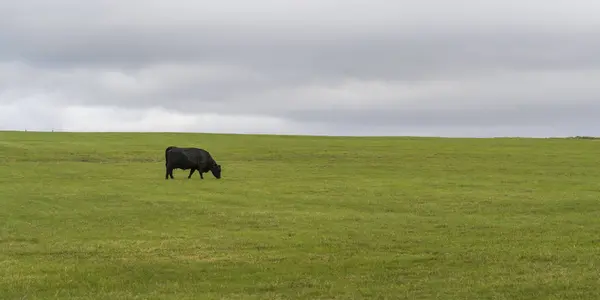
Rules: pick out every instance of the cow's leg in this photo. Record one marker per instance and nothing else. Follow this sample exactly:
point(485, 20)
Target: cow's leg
point(166, 172)
point(191, 172)
point(202, 177)
point(171, 173)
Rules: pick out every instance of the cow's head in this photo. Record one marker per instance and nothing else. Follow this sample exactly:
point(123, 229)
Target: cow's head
point(216, 171)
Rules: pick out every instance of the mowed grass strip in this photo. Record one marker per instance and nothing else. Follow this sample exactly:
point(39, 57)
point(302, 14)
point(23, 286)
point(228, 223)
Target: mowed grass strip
point(90, 216)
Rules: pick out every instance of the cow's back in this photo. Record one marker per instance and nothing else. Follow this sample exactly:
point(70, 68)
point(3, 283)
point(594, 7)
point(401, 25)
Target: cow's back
point(201, 156)
point(187, 157)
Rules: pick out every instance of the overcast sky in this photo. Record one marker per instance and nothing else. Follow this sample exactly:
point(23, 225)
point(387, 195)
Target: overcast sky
point(347, 67)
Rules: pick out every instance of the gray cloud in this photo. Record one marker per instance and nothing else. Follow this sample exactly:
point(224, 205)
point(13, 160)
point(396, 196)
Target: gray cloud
point(526, 116)
point(334, 66)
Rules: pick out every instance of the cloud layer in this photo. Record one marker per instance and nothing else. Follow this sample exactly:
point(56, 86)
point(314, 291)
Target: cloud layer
point(460, 68)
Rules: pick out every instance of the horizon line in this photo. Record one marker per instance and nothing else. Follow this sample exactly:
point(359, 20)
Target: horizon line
point(301, 135)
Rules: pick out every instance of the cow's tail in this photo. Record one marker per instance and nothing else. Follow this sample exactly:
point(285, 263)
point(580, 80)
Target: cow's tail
point(167, 152)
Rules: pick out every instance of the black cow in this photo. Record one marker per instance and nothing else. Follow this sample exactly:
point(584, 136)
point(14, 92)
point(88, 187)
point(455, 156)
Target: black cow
point(190, 159)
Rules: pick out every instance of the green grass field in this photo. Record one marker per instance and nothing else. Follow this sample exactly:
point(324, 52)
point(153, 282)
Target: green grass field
point(90, 216)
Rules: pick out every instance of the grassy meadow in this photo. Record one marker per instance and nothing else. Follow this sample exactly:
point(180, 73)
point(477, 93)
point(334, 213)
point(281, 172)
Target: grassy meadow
point(90, 216)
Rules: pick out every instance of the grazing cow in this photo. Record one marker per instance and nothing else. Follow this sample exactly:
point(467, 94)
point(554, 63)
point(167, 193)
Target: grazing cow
point(190, 159)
